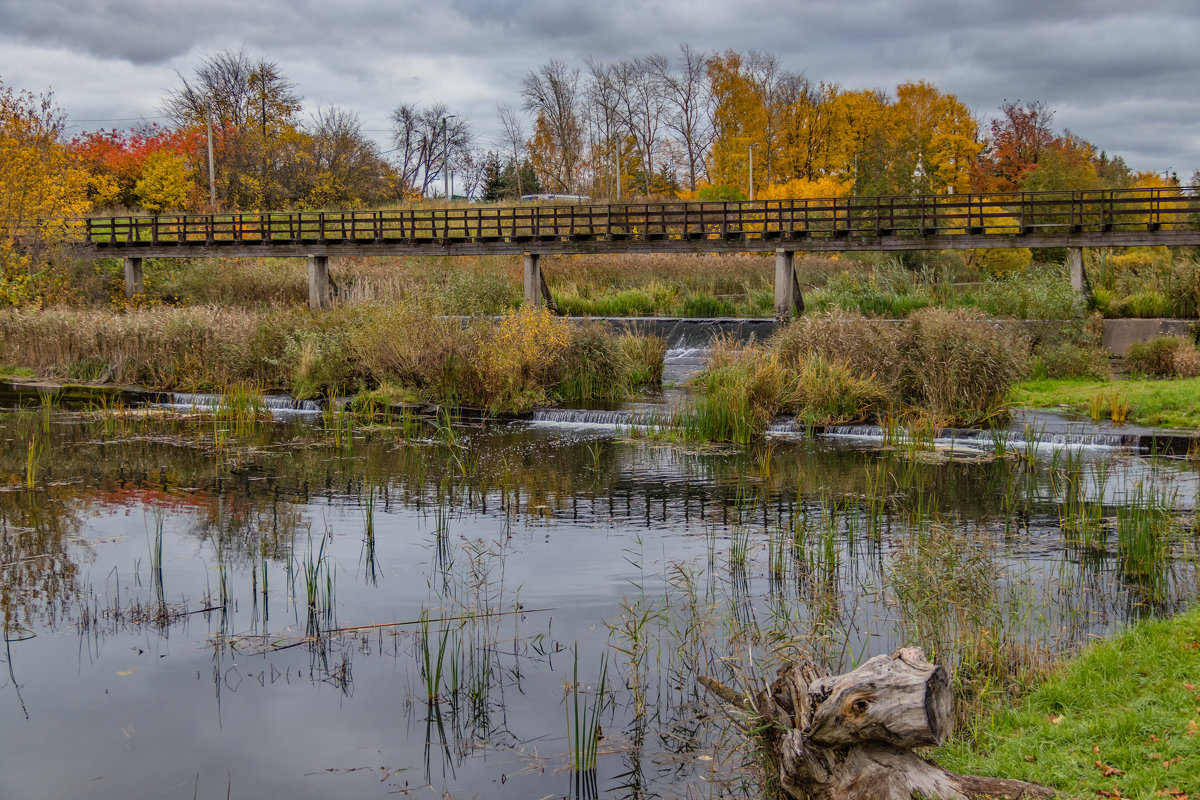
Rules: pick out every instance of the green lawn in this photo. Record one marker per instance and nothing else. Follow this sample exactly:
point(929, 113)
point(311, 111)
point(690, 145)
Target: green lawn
point(1159, 402)
point(1120, 720)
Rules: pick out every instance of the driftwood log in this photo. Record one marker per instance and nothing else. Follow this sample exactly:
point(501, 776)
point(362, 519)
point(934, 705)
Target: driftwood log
point(851, 737)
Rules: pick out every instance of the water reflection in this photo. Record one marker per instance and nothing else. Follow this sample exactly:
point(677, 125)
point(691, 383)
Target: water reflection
point(429, 593)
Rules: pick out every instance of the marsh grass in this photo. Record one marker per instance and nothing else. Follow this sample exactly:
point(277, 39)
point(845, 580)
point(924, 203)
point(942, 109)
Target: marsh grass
point(947, 367)
point(584, 710)
point(509, 364)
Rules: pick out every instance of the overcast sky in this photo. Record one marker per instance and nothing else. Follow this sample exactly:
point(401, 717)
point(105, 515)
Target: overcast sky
point(1124, 75)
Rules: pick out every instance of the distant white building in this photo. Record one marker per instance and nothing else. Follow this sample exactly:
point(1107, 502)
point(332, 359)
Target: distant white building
point(563, 198)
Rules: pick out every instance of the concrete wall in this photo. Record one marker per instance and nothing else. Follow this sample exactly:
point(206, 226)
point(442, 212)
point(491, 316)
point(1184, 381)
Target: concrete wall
point(1120, 333)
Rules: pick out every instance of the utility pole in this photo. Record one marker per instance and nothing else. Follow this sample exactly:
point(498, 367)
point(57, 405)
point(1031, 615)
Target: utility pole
point(212, 173)
point(750, 149)
point(618, 170)
point(446, 155)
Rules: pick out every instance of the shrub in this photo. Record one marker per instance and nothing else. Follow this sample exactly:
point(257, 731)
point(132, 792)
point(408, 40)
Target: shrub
point(1186, 363)
point(958, 365)
point(318, 363)
point(645, 355)
point(866, 346)
point(829, 392)
point(738, 397)
point(1038, 294)
point(519, 358)
point(1157, 356)
point(1070, 359)
point(416, 346)
point(595, 366)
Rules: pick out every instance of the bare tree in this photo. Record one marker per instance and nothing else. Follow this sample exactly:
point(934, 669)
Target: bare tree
point(688, 108)
point(425, 139)
point(514, 138)
point(641, 103)
point(552, 92)
point(607, 133)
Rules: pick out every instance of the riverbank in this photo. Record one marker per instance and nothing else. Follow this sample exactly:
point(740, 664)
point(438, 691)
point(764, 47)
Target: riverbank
point(1166, 403)
point(1120, 720)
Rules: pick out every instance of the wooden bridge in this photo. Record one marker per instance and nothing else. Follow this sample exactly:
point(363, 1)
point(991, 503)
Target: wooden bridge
point(1101, 218)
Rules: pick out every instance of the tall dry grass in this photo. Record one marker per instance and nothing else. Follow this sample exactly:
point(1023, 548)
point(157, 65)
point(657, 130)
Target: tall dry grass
point(524, 358)
point(947, 366)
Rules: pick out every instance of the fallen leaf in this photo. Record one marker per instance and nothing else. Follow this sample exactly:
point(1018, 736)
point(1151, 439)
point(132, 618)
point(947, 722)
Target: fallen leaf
point(1054, 719)
point(1108, 771)
point(1031, 759)
point(1174, 792)
point(1096, 749)
point(1193, 728)
point(124, 672)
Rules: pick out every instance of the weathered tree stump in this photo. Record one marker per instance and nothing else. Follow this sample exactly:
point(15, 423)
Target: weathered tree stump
point(850, 737)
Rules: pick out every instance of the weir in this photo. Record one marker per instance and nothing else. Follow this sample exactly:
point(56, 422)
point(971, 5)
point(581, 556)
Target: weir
point(1073, 220)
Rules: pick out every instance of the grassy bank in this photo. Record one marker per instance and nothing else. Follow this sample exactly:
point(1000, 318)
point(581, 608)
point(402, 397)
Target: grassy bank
point(1120, 720)
point(1150, 401)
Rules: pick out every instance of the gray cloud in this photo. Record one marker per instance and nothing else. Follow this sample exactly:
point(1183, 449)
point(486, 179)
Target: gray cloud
point(1121, 76)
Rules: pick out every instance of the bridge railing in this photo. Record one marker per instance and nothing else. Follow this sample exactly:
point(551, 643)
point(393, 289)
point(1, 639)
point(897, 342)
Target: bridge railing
point(925, 215)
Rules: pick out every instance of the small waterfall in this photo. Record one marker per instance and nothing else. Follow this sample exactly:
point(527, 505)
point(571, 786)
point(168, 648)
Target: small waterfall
point(642, 416)
point(979, 439)
point(280, 405)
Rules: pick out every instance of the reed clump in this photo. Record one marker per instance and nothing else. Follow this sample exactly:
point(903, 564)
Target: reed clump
point(949, 365)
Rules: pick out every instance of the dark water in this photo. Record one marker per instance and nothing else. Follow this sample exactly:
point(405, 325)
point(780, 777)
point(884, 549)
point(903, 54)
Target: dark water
point(190, 612)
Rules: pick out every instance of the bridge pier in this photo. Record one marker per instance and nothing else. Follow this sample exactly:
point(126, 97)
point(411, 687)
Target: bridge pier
point(134, 279)
point(536, 290)
point(788, 299)
point(1075, 265)
point(319, 294)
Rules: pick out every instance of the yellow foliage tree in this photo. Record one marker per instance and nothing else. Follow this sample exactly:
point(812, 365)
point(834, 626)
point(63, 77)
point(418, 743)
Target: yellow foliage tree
point(739, 121)
point(41, 187)
point(801, 188)
point(942, 133)
point(165, 184)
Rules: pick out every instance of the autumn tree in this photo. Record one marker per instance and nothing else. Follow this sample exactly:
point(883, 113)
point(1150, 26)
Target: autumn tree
point(739, 119)
point(253, 107)
point(116, 160)
point(345, 169)
point(41, 185)
point(1016, 141)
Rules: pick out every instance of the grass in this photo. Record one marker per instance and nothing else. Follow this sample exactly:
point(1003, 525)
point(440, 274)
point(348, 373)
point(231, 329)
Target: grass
point(1119, 720)
point(1164, 403)
point(8, 372)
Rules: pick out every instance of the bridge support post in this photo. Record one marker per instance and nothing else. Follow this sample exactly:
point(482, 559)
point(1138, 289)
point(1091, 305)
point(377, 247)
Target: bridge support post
point(536, 290)
point(1075, 265)
point(134, 280)
point(319, 294)
point(788, 299)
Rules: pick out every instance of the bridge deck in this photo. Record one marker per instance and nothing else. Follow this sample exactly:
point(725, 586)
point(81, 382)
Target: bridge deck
point(1032, 219)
